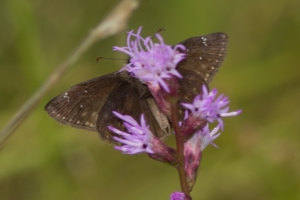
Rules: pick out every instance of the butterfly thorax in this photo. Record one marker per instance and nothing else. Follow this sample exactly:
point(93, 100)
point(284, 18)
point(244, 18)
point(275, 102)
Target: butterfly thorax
point(142, 88)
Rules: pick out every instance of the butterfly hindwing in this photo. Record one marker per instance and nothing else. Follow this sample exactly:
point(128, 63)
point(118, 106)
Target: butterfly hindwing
point(190, 85)
point(126, 100)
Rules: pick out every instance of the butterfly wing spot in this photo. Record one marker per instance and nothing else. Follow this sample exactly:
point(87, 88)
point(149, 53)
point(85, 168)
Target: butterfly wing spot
point(90, 124)
point(204, 41)
point(186, 97)
point(81, 106)
point(78, 122)
point(64, 118)
point(200, 58)
point(85, 91)
point(66, 97)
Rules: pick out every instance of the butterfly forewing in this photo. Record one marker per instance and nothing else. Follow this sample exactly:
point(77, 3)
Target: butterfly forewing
point(205, 54)
point(79, 106)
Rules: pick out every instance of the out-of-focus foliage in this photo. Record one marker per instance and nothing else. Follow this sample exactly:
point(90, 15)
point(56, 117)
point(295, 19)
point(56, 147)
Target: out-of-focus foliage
point(259, 152)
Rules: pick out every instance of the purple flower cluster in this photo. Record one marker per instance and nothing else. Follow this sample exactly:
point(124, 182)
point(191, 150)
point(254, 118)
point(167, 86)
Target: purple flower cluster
point(150, 62)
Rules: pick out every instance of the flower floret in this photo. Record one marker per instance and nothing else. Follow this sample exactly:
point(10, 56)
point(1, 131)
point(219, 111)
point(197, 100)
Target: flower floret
point(210, 108)
point(137, 139)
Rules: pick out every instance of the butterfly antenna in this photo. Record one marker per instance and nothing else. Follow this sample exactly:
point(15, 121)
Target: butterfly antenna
point(100, 58)
point(158, 31)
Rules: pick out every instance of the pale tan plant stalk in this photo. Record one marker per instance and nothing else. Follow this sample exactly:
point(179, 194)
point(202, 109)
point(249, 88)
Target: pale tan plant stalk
point(114, 22)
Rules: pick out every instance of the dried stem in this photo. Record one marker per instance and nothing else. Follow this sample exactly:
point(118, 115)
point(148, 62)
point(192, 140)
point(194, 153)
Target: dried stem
point(114, 22)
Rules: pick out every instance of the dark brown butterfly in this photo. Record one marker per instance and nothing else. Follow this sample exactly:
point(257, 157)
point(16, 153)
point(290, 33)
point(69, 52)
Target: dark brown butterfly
point(89, 105)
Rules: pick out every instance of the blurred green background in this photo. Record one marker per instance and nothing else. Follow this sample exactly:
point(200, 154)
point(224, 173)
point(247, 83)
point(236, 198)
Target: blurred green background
point(259, 151)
